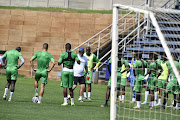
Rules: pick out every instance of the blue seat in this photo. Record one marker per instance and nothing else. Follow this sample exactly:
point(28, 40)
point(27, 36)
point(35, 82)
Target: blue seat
point(59, 75)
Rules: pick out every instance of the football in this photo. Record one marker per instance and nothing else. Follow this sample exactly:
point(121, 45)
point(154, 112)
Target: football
point(35, 99)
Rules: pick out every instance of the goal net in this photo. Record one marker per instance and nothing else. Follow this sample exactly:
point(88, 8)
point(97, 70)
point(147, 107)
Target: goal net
point(148, 88)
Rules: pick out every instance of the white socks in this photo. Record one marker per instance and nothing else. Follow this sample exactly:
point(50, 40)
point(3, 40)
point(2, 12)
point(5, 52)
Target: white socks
point(155, 96)
point(65, 100)
point(152, 103)
point(139, 104)
point(5, 92)
point(80, 97)
point(123, 96)
point(133, 99)
point(72, 100)
point(40, 98)
point(146, 96)
point(177, 105)
point(85, 95)
point(36, 90)
point(159, 101)
point(69, 96)
point(11, 94)
point(120, 97)
point(89, 94)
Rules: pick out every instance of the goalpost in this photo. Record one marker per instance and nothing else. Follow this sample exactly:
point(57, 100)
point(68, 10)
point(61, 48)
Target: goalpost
point(169, 34)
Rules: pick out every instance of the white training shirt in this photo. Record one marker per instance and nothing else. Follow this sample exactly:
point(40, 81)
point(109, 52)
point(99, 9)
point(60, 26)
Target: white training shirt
point(79, 68)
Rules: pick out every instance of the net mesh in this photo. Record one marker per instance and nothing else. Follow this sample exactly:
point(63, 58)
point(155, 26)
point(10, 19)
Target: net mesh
point(142, 40)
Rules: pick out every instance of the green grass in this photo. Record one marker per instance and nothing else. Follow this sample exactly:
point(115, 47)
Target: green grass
point(21, 108)
point(62, 10)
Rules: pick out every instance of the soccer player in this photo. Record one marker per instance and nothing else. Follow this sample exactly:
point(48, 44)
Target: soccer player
point(79, 73)
point(172, 86)
point(68, 59)
point(12, 67)
point(124, 68)
point(152, 71)
point(109, 83)
point(43, 57)
point(132, 76)
point(163, 76)
point(91, 58)
point(139, 66)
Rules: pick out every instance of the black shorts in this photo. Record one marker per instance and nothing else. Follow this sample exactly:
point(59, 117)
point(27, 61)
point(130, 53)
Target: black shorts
point(81, 80)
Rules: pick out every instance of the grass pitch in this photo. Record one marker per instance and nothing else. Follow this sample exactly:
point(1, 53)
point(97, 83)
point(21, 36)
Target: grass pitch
point(22, 108)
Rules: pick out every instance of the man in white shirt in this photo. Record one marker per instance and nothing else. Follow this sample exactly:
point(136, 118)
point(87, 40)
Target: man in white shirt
point(79, 72)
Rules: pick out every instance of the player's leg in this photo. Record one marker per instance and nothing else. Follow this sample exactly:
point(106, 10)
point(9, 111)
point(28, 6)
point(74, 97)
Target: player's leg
point(168, 89)
point(65, 80)
point(177, 105)
point(74, 87)
point(138, 89)
point(82, 84)
point(6, 89)
point(8, 76)
point(107, 97)
point(85, 96)
point(152, 100)
point(13, 82)
point(89, 85)
point(37, 78)
point(70, 86)
point(107, 93)
point(44, 76)
point(41, 93)
point(89, 91)
point(132, 80)
point(146, 92)
point(14, 74)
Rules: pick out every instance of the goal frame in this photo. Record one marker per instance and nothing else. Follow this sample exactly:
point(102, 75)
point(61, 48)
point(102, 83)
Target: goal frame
point(151, 15)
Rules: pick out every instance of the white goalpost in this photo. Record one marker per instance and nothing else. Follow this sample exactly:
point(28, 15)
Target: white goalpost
point(163, 43)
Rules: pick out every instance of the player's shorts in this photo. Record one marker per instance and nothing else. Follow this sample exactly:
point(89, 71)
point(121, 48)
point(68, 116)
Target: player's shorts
point(123, 81)
point(152, 83)
point(172, 86)
point(81, 80)
point(90, 74)
point(161, 83)
point(139, 82)
point(11, 73)
point(67, 79)
point(41, 75)
point(118, 81)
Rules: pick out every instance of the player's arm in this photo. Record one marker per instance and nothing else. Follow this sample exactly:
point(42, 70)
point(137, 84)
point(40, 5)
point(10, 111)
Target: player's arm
point(167, 76)
point(109, 69)
point(53, 64)
point(2, 60)
point(77, 59)
point(127, 67)
point(95, 59)
point(60, 61)
point(31, 61)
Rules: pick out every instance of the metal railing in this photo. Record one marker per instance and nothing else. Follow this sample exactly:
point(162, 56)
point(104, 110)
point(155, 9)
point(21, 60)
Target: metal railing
point(105, 34)
point(123, 41)
point(169, 4)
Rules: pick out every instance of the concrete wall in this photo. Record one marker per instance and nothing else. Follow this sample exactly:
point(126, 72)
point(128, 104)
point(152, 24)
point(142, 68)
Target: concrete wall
point(77, 4)
point(30, 29)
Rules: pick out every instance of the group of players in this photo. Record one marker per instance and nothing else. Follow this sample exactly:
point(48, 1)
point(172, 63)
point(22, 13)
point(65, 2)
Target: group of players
point(79, 68)
point(72, 70)
point(158, 72)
